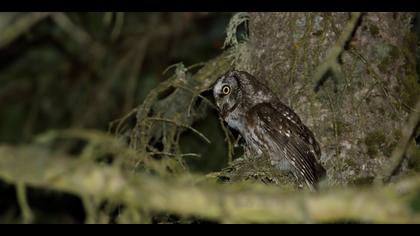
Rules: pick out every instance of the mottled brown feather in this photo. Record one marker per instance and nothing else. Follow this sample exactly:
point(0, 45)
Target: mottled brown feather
point(296, 145)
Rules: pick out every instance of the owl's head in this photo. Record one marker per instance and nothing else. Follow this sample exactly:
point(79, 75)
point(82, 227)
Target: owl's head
point(239, 88)
point(228, 90)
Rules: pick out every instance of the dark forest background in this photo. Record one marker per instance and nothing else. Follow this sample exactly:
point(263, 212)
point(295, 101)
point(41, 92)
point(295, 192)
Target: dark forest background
point(85, 70)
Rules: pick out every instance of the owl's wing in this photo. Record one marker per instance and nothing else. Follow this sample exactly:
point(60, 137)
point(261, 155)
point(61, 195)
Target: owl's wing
point(307, 134)
point(286, 142)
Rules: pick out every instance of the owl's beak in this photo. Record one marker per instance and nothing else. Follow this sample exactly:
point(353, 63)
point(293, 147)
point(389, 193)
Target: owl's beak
point(218, 106)
point(223, 111)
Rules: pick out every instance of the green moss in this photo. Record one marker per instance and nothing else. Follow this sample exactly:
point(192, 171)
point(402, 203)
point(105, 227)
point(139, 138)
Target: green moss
point(415, 202)
point(362, 181)
point(318, 33)
point(414, 157)
point(341, 127)
point(374, 30)
point(392, 143)
point(387, 149)
point(373, 141)
point(394, 52)
point(256, 170)
point(350, 162)
point(397, 134)
point(411, 90)
point(389, 54)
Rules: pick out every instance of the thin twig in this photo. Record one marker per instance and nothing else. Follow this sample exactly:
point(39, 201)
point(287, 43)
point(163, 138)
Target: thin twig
point(210, 103)
point(174, 154)
point(181, 125)
point(195, 94)
point(89, 207)
point(228, 140)
point(330, 62)
point(27, 216)
point(121, 121)
point(20, 26)
point(119, 22)
point(398, 154)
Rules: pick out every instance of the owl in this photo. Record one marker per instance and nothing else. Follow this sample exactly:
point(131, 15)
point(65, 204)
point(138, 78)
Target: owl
point(268, 126)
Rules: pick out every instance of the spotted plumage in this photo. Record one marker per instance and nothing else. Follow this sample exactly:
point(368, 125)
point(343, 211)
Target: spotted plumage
point(268, 126)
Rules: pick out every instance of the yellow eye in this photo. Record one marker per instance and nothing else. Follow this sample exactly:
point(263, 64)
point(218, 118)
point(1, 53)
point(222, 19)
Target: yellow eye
point(226, 90)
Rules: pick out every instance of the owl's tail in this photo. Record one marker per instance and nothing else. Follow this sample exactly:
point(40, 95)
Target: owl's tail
point(320, 173)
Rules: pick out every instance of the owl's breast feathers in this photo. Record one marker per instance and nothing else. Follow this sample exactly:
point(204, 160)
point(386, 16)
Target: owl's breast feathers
point(281, 134)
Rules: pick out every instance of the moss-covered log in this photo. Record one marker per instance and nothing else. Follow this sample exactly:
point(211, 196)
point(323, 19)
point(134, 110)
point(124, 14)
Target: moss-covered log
point(190, 196)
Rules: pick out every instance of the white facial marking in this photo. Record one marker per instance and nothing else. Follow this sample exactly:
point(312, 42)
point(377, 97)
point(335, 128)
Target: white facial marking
point(218, 86)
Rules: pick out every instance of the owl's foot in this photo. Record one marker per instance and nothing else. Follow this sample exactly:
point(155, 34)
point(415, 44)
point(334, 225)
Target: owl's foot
point(250, 154)
point(236, 144)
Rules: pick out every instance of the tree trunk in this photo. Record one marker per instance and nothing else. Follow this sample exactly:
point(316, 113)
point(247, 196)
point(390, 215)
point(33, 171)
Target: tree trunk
point(353, 91)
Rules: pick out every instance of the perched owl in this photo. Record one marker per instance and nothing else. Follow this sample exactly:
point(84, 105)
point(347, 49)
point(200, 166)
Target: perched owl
point(268, 126)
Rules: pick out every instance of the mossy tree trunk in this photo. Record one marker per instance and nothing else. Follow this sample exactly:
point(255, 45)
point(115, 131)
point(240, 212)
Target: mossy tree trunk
point(356, 103)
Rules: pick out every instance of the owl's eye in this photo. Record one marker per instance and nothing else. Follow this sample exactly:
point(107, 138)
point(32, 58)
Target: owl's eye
point(226, 89)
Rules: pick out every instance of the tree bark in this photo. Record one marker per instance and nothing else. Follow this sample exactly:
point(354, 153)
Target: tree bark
point(363, 98)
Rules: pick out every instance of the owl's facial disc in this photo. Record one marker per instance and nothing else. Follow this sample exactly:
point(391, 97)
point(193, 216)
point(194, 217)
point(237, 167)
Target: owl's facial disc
point(225, 93)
